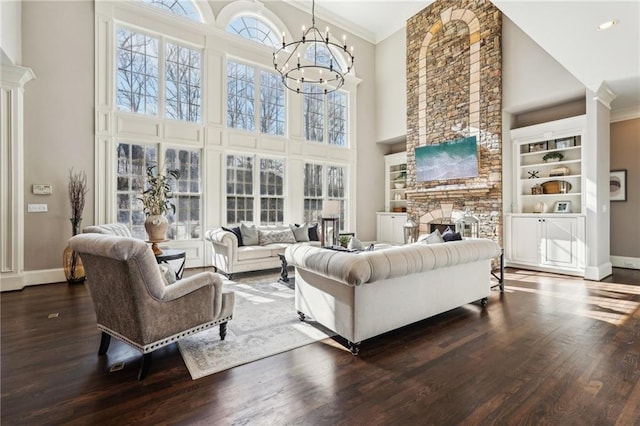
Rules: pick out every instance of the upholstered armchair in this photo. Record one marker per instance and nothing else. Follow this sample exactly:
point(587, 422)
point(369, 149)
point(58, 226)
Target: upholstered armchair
point(133, 304)
point(108, 228)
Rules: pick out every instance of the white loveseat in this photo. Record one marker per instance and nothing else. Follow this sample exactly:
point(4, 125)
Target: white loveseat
point(361, 295)
point(228, 257)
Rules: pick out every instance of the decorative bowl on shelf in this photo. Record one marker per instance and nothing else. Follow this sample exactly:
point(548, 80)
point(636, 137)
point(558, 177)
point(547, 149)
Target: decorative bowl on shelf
point(399, 185)
point(556, 187)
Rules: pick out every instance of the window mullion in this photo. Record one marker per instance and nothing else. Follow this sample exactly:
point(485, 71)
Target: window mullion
point(162, 77)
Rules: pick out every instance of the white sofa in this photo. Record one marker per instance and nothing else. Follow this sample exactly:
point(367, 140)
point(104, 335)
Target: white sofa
point(361, 295)
point(229, 258)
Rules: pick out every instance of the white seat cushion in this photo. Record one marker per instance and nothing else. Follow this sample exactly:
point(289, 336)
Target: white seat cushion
point(254, 252)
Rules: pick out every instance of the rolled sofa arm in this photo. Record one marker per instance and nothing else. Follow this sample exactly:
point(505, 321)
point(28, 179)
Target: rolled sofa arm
point(224, 243)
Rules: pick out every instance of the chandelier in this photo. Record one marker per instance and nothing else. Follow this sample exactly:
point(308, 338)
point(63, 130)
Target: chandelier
point(309, 65)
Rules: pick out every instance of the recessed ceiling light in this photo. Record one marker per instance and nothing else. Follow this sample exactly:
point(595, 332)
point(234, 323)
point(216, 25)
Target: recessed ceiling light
point(606, 25)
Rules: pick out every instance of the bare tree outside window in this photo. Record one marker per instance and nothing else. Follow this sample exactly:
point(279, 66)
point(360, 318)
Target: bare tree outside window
point(137, 72)
point(337, 118)
point(313, 105)
point(272, 108)
point(183, 94)
point(240, 96)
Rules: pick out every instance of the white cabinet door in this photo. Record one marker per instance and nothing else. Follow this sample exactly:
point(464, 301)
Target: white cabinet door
point(525, 240)
point(559, 242)
point(550, 242)
point(391, 228)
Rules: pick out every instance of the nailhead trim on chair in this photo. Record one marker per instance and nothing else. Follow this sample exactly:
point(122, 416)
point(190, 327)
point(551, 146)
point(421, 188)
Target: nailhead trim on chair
point(167, 340)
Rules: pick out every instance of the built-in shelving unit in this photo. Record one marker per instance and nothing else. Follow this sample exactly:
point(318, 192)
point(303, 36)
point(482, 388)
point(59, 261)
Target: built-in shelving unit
point(395, 166)
point(546, 227)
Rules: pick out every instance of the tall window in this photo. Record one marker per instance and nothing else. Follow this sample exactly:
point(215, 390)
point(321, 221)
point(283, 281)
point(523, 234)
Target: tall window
point(313, 194)
point(255, 29)
point(241, 100)
point(271, 104)
point(313, 105)
point(271, 191)
point(323, 183)
point(183, 83)
point(337, 118)
point(137, 77)
point(132, 163)
point(185, 223)
point(240, 95)
point(246, 186)
point(239, 188)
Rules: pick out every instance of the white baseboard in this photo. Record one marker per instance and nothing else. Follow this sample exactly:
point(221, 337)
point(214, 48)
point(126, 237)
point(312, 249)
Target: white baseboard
point(44, 276)
point(597, 273)
point(28, 278)
point(625, 262)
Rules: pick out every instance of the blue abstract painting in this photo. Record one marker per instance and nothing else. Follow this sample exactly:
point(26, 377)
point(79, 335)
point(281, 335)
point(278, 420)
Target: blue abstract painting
point(448, 160)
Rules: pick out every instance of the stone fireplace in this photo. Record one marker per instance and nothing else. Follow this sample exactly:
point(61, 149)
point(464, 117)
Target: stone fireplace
point(454, 65)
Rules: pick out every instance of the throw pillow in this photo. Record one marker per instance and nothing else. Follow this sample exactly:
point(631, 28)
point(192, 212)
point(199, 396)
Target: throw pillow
point(313, 232)
point(432, 238)
point(452, 236)
point(249, 234)
point(301, 233)
point(168, 274)
point(355, 244)
point(275, 236)
point(235, 231)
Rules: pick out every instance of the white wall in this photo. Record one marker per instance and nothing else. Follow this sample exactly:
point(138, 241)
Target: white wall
point(531, 78)
point(58, 126)
point(391, 87)
point(10, 29)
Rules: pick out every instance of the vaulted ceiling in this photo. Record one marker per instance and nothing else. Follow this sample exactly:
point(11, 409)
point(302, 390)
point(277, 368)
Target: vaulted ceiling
point(566, 30)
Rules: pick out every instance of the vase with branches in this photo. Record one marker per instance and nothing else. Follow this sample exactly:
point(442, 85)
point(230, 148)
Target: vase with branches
point(157, 192)
point(77, 186)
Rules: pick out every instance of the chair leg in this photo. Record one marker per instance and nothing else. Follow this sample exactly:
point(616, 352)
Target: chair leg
point(105, 339)
point(144, 366)
point(223, 330)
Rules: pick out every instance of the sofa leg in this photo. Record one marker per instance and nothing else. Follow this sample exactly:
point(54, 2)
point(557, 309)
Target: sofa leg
point(223, 330)
point(105, 339)
point(144, 366)
point(484, 301)
point(302, 316)
point(354, 347)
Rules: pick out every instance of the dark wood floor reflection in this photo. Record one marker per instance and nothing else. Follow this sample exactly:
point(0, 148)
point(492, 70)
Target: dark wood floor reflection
point(551, 350)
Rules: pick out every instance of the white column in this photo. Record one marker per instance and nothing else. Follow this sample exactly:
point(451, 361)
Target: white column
point(596, 173)
point(12, 82)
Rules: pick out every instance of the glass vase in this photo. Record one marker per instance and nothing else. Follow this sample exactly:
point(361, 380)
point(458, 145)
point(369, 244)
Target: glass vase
point(73, 268)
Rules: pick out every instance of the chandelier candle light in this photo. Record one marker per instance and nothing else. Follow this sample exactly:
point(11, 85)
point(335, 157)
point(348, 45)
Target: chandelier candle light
point(315, 53)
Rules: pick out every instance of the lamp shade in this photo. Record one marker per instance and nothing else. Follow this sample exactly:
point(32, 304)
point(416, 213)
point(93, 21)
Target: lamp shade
point(331, 208)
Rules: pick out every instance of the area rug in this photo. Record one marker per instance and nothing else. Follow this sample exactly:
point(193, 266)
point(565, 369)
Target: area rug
point(264, 323)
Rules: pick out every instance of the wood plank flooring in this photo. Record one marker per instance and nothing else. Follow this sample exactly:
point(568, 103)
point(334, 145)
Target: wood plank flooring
point(551, 350)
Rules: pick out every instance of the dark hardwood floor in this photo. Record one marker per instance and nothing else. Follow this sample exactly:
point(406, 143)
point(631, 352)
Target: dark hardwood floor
point(552, 350)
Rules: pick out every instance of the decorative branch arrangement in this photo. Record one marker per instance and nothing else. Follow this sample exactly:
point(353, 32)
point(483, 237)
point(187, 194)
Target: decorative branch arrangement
point(77, 194)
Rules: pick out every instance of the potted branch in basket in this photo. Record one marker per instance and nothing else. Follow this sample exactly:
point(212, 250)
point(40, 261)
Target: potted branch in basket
point(552, 157)
point(72, 264)
point(156, 195)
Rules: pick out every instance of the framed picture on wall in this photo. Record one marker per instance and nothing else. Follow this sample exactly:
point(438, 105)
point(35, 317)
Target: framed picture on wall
point(618, 185)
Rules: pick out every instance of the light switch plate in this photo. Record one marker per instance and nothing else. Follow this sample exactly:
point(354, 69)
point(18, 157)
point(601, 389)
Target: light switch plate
point(37, 208)
point(41, 189)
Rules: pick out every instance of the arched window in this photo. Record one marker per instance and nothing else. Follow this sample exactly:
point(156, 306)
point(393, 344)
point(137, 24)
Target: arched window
point(184, 8)
point(255, 29)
